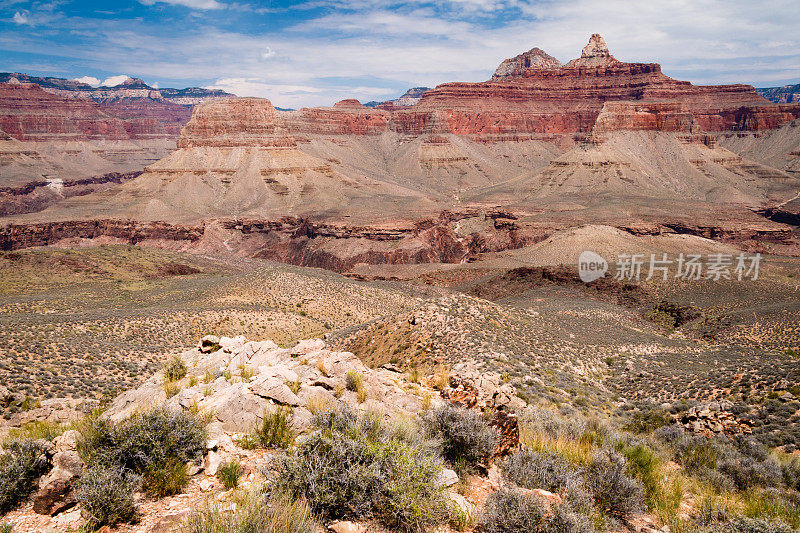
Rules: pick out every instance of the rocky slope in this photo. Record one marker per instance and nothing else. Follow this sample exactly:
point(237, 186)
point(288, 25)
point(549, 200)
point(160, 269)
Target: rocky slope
point(409, 98)
point(788, 94)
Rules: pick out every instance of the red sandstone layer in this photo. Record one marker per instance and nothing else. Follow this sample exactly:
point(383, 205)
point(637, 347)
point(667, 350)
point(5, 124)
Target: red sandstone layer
point(29, 113)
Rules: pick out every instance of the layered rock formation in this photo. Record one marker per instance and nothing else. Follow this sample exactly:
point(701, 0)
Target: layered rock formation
point(28, 113)
point(130, 89)
point(533, 58)
point(788, 94)
point(594, 141)
point(547, 99)
point(409, 98)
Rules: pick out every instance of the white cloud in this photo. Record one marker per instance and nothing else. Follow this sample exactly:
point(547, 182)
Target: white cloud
point(21, 17)
point(154, 85)
point(193, 4)
point(113, 81)
point(268, 53)
point(91, 80)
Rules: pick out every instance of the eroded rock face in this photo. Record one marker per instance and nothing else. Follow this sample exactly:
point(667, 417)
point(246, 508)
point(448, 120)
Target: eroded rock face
point(531, 93)
point(28, 113)
point(535, 58)
point(644, 116)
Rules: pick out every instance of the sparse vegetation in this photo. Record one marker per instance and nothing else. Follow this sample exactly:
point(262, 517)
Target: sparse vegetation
point(155, 445)
point(255, 511)
point(106, 496)
point(353, 468)
point(463, 433)
point(21, 464)
point(229, 473)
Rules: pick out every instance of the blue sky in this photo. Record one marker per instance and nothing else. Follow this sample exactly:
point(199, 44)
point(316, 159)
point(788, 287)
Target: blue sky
point(316, 52)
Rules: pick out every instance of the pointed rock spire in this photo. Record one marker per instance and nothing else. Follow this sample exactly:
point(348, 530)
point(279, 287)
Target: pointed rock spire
point(594, 54)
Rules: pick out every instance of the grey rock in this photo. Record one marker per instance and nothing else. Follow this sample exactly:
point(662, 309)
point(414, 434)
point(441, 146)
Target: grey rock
point(212, 462)
point(238, 410)
point(274, 389)
point(447, 478)
point(208, 344)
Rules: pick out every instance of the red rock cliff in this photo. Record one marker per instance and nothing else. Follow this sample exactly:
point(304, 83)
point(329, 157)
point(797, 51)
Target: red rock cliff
point(28, 113)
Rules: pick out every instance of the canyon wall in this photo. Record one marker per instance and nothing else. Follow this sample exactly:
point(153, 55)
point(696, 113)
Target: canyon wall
point(28, 113)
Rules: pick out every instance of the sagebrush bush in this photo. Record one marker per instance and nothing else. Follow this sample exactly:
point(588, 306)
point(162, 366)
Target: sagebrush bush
point(276, 428)
point(229, 473)
point(106, 496)
point(175, 369)
point(514, 511)
point(21, 464)
point(6, 528)
point(354, 468)
point(255, 511)
point(534, 470)
point(153, 444)
point(756, 525)
point(547, 422)
point(613, 491)
point(464, 434)
point(740, 463)
point(648, 419)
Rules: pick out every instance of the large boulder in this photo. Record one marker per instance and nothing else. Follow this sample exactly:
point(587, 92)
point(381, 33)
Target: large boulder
point(237, 408)
point(55, 493)
point(274, 389)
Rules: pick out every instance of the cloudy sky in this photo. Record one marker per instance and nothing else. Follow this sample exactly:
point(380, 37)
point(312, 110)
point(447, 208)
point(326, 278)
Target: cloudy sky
point(316, 52)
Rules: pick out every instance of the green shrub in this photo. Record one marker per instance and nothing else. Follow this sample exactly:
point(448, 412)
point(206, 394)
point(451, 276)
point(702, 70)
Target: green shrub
point(276, 428)
point(6, 528)
point(614, 493)
point(514, 511)
point(162, 480)
point(229, 473)
point(354, 468)
point(535, 470)
point(174, 369)
point(255, 511)
point(463, 433)
point(354, 381)
point(696, 453)
point(156, 445)
point(38, 429)
point(642, 464)
point(20, 466)
point(648, 420)
point(106, 497)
